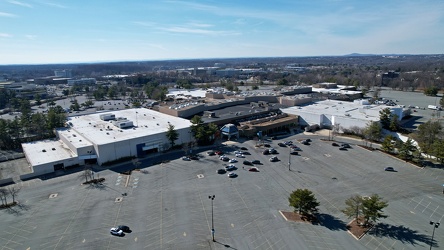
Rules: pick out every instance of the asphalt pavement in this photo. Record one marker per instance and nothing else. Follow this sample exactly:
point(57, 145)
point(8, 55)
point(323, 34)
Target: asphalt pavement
point(167, 204)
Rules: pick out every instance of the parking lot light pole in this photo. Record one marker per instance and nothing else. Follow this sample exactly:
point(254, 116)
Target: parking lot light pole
point(435, 225)
point(211, 197)
point(289, 155)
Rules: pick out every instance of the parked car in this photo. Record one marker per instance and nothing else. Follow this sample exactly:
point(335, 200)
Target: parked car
point(225, 158)
point(342, 148)
point(274, 158)
point(334, 144)
point(221, 171)
point(237, 152)
point(296, 148)
point(267, 145)
point(116, 231)
point(240, 155)
point(232, 160)
point(248, 163)
point(253, 169)
point(232, 175)
point(256, 162)
point(391, 169)
point(288, 143)
point(185, 158)
point(194, 157)
point(280, 144)
point(305, 142)
point(244, 148)
point(266, 152)
point(124, 228)
point(219, 152)
point(272, 151)
point(294, 152)
point(230, 167)
point(210, 153)
point(345, 145)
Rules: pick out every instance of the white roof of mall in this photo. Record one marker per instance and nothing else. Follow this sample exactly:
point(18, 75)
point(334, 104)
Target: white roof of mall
point(354, 110)
point(146, 122)
point(42, 152)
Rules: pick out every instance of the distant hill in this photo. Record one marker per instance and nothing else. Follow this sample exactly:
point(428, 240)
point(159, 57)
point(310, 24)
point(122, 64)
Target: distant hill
point(357, 54)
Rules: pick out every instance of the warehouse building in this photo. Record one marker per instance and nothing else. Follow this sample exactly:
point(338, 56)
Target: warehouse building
point(104, 138)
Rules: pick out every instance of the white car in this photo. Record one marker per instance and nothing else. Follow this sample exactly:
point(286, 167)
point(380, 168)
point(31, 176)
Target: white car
point(116, 231)
point(237, 152)
point(232, 174)
point(186, 158)
point(240, 155)
point(232, 160)
point(225, 158)
point(230, 167)
point(273, 159)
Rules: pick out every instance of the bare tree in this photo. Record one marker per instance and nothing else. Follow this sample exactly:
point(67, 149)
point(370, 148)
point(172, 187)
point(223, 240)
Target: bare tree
point(3, 196)
point(13, 192)
point(87, 173)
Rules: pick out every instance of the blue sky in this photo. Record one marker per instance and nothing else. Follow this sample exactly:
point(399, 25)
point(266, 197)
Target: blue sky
point(62, 31)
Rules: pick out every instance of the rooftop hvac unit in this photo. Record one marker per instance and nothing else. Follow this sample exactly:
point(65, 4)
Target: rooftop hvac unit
point(107, 117)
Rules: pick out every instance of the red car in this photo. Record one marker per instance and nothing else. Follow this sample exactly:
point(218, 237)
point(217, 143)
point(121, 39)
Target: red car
point(219, 152)
point(253, 169)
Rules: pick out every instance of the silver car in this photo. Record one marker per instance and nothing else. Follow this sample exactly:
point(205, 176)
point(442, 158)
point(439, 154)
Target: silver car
point(116, 231)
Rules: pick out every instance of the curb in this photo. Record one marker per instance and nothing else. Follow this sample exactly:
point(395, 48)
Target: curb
point(406, 162)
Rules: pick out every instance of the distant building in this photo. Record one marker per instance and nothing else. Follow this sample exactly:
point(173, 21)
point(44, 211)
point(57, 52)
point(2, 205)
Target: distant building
point(24, 89)
point(82, 81)
point(63, 73)
point(227, 72)
point(220, 65)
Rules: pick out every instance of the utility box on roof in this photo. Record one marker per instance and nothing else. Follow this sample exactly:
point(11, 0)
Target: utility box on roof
point(107, 117)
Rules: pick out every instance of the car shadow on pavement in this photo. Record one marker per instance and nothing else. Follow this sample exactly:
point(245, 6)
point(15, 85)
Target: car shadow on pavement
point(225, 245)
point(401, 233)
point(331, 222)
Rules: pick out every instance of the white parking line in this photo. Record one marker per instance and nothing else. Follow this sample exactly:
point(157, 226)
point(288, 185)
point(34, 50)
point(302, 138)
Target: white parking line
point(434, 211)
point(426, 207)
point(418, 203)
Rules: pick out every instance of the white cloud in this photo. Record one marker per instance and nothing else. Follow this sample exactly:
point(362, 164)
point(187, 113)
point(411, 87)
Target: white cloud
point(190, 28)
point(179, 29)
point(5, 35)
point(60, 6)
point(201, 25)
point(5, 14)
point(20, 3)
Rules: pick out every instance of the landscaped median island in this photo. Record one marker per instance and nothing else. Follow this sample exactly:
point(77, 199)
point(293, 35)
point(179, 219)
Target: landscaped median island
point(358, 229)
point(365, 211)
point(296, 217)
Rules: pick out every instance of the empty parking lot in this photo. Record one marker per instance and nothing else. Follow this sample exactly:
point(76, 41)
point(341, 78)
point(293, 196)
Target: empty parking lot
point(167, 205)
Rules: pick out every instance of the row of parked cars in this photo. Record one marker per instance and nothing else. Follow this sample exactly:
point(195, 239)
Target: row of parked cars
point(343, 146)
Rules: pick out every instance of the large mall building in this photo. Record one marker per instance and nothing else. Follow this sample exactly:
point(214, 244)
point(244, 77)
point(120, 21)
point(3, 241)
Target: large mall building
point(105, 137)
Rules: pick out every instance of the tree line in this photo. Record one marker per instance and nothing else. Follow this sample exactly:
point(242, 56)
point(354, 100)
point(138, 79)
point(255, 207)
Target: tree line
point(30, 126)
